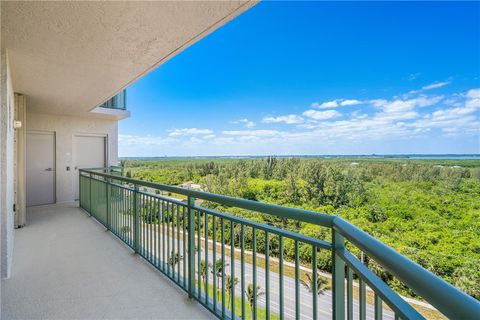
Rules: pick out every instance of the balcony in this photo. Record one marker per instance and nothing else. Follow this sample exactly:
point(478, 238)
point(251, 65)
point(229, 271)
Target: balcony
point(118, 101)
point(114, 108)
point(66, 266)
point(201, 250)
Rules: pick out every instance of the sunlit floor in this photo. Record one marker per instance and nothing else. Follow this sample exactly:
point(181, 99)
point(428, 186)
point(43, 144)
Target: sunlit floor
point(66, 266)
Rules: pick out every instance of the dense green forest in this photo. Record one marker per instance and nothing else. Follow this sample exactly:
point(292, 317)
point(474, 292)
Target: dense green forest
point(429, 210)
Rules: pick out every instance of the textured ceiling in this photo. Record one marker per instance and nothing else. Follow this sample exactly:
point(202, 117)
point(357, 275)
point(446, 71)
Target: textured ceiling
point(69, 57)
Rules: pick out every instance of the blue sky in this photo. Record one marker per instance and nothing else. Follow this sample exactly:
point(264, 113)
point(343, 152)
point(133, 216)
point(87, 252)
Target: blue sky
point(317, 78)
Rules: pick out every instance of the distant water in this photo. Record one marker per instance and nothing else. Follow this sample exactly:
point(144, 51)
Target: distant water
point(346, 156)
point(446, 157)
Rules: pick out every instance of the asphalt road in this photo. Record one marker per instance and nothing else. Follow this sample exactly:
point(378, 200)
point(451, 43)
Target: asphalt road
point(324, 302)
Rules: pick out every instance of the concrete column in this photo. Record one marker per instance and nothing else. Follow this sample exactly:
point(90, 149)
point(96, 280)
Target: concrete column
point(20, 167)
point(7, 166)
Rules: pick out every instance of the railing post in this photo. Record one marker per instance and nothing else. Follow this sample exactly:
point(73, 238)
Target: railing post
point(136, 219)
point(338, 279)
point(107, 181)
point(90, 194)
point(80, 189)
point(191, 247)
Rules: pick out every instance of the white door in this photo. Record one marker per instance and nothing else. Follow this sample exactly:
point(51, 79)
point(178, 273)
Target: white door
point(40, 168)
point(88, 152)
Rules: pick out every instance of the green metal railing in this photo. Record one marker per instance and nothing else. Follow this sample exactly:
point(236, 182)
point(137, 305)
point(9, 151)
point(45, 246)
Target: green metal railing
point(238, 268)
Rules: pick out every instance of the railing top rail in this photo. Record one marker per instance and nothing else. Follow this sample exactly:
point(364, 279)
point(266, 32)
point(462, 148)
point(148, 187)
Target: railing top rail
point(321, 219)
point(449, 300)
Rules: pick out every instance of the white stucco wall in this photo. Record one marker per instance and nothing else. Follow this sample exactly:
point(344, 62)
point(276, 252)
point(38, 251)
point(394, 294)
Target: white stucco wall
point(65, 127)
point(7, 165)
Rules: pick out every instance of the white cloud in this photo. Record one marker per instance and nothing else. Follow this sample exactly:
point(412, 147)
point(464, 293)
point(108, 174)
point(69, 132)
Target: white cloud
point(473, 98)
point(336, 103)
point(246, 122)
point(401, 105)
point(321, 115)
point(329, 104)
point(358, 115)
point(431, 86)
point(436, 85)
point(350, 102)
point(189, 131)
point(143, 140)
point(288, 119)
point(257, 133)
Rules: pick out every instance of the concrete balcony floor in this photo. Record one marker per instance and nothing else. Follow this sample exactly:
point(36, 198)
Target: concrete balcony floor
point(66, 266)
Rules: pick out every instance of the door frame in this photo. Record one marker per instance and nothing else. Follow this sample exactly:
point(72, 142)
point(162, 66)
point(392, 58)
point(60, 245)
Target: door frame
point(105, 155)
point(47, 132)
point(101, 135)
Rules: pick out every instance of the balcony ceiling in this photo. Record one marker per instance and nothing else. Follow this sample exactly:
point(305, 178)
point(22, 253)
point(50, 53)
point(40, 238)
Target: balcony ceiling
point(69, 57)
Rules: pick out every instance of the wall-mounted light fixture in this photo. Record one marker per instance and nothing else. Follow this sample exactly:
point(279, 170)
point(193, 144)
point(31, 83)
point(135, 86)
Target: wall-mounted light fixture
point(17, 124)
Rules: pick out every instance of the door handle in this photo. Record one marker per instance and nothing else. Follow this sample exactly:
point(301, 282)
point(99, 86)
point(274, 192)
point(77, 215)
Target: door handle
point(48, 169)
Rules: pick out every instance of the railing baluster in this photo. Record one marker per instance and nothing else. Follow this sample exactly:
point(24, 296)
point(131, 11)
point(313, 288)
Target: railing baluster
point(191, 247)
point(157, 235)
point(378, 308)
point(362, 300)
point(90, 194)
point(142, 225)
point(152, 234)
point(164, 250)
point(242, 267)
point(148, 225)
point(232, 266)
point(136, 216)
point(124, 210)
point(174, 250)
point(267, 276)
point(214, 262)
point(184, 231)
point(349, 294)
point(338, 277)
point(280, 277)
point(297, 282)
point(254, 272)
point(222, 228)
point(127, 205)
point(180, 257)
point(129, 214)
point(199, 254)
point(169, 253)
point(145, 226)
point(116, 210)
point(314, 282)
point(205, 228)
point(107, 187)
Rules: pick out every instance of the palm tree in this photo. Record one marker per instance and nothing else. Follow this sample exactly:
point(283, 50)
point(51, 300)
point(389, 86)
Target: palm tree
point(174, 259)
point(309, 284)
point(253, 296)
point(204, 267)
point(217, 271)
point(229, 286)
